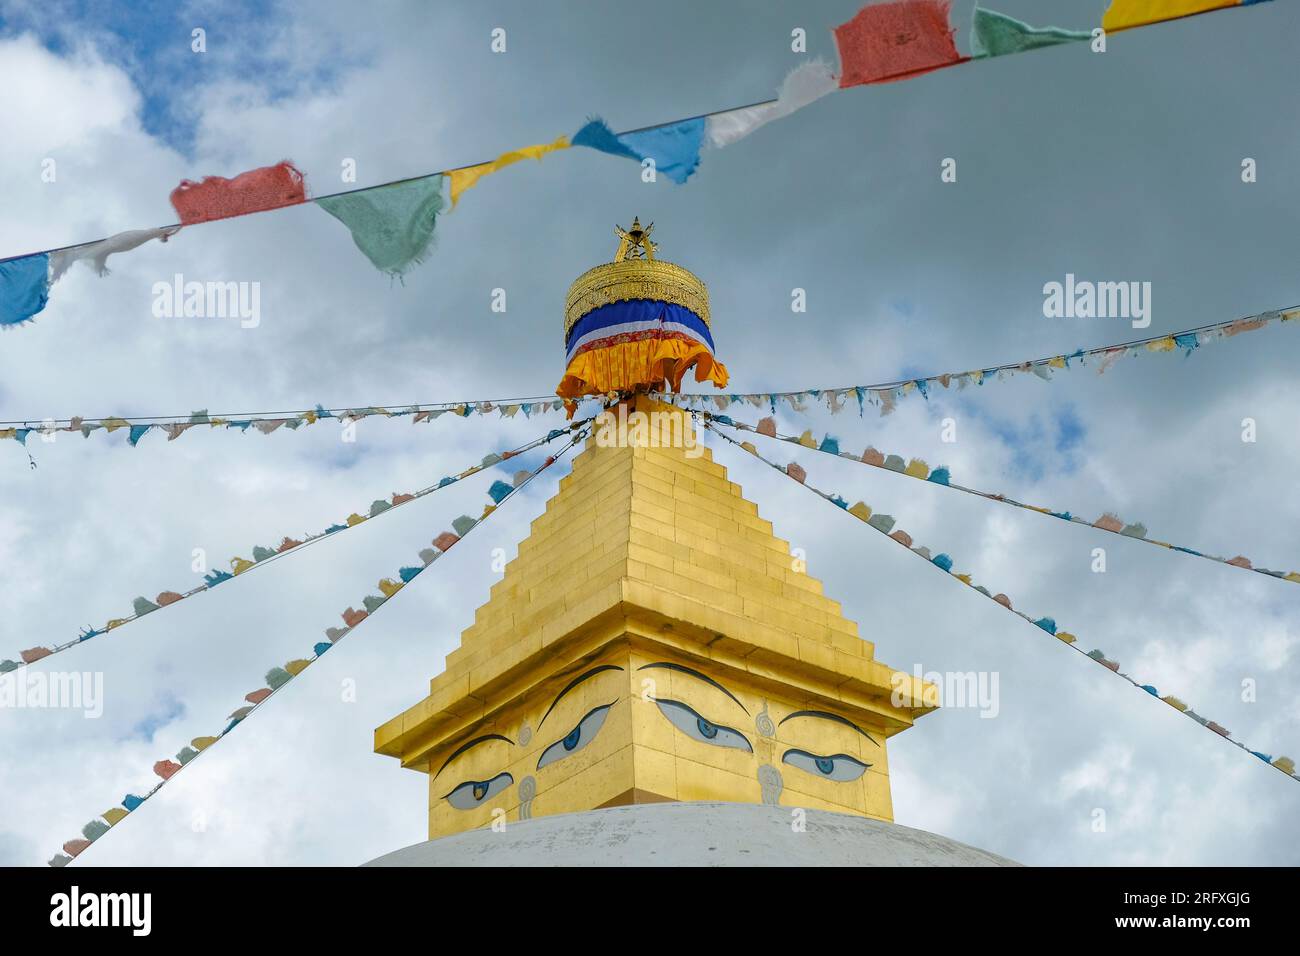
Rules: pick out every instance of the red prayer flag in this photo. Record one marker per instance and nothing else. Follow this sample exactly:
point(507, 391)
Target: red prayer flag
point(219, 198)
point(895, 40)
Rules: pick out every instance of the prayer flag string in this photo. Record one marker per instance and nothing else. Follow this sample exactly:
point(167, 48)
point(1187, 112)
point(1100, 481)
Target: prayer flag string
point(884, 524)
point(267, 422)
point(262, 556)
point(920, 470)
point(886, 395)
point(278, 677)
point(392, 223)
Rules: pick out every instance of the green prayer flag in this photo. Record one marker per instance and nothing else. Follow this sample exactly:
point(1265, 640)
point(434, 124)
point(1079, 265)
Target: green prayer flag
point(392, 225)
point(996, 34)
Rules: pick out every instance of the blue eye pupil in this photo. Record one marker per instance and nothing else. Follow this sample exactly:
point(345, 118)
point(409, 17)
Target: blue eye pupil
point(826, 765)
point(706, 728)
point(480, 789)
point(571, 741)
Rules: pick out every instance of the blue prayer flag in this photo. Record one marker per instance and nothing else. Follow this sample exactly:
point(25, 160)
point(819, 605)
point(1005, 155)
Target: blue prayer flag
point(675, 148)
point(24, 288)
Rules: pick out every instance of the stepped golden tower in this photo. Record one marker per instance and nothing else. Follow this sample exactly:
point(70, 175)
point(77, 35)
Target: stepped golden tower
point(653, 640)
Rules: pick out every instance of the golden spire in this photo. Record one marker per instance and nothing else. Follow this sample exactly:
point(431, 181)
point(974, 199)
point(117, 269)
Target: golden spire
point(635, 243)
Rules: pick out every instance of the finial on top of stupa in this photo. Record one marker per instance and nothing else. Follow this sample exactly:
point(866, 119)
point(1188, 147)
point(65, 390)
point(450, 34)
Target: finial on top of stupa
point(635, 243)
point(637, 323)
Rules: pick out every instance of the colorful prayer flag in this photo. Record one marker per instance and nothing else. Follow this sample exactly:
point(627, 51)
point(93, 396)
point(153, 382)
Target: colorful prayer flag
point(24, 288)
point(216, 197)
point(392, 225)
point(1126, 14)
point(463, 179)
point(805, 84)
point(675, 149)
point(996, 34)
point(96, 254)
point(894, 41)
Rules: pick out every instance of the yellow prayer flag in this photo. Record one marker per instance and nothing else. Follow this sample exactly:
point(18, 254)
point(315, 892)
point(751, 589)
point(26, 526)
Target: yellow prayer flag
point(1125, 14)
point(1167, 344)
point(114, 816)
point(463, 179)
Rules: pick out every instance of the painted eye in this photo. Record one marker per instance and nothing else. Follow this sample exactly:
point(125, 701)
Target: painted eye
point(577, 738)
point(841, 767)
point(699, 728)
point(473, 793)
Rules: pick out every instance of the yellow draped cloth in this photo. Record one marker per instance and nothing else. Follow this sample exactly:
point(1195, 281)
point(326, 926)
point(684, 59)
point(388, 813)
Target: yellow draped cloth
point(639, 363)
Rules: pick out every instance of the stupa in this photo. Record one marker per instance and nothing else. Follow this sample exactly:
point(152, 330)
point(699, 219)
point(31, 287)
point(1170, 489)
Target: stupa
point(654, 642)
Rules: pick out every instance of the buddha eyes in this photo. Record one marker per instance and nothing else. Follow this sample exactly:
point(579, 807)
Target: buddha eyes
point(577, 738)
point(841, 767)
point(474, 793)
point(698, 728)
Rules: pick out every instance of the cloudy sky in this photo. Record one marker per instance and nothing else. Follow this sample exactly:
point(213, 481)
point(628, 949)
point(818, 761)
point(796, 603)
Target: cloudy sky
point(1119, 166)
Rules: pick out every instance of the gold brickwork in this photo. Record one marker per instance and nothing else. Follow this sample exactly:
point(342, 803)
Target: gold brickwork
point(708, 665)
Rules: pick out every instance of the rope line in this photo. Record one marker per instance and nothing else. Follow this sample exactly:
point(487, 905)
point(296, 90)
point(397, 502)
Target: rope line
point(1292, 576)
point(222, 577)
point(1269, 316)
point(965, 579)
point(341, 412)
point(391, 182)
point(577, 436)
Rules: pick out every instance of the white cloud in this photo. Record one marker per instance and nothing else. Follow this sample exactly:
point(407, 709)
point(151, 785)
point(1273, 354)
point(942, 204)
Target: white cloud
point(843, 200)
